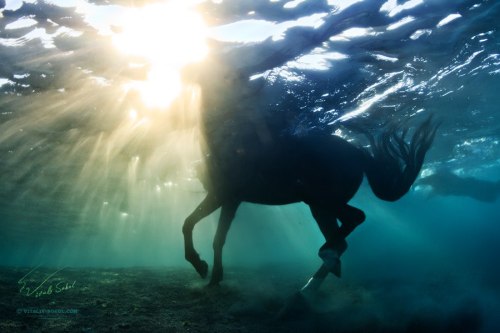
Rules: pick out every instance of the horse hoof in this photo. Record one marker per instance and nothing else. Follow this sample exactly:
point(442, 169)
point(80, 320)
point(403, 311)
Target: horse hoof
point(215, 279)
point(202, 268)
point(213, 284)
point(311, 286)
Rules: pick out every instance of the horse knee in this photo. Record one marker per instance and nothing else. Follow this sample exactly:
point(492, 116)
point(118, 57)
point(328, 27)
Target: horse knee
point(359, 217)
point(187, 227)
point(186, 230)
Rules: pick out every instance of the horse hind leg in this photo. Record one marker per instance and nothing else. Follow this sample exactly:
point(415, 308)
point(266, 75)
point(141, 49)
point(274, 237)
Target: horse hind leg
point(350, 217)
point(205, 208)
point(316, 280)
point(329, 252)
point(227, 214)
point(335, 245)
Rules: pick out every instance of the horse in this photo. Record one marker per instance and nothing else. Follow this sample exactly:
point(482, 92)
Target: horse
point(323, 171)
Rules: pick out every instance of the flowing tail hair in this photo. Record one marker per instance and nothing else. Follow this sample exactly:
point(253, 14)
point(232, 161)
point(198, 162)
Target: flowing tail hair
point(393, 164)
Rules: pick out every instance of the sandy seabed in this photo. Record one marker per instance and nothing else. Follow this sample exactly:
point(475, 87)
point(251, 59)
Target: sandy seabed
point(249, 300)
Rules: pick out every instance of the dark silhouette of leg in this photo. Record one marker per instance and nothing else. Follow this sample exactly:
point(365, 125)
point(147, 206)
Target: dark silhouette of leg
point(316, 280)
point(335, 244)
point(227, 214)
point(350, 217)
point(205, 208)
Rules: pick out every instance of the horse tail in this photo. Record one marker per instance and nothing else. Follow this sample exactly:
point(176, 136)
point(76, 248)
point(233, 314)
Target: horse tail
point(392, 165)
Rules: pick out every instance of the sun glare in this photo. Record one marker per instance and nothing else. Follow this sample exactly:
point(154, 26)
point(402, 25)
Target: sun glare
point(169, 36)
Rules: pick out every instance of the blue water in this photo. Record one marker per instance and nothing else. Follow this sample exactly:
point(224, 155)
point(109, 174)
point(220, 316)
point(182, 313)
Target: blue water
point(82, 185)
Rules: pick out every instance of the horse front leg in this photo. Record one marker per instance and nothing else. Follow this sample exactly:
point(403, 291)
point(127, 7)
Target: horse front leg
point(227, 214)
point(205, 208)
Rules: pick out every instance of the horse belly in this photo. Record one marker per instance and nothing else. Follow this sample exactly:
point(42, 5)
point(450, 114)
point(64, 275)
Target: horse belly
point(272, 191)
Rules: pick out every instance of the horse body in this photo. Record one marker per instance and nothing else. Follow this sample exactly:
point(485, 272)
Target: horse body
point(324, 171)
point(289, 170)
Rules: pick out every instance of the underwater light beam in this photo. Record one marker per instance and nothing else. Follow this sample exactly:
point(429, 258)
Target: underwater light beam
point(168, 37)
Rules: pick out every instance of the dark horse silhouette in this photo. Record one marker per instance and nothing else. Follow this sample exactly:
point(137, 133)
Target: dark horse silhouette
point(324, 171)
point(247, 159)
